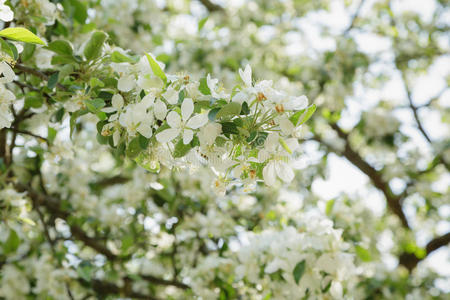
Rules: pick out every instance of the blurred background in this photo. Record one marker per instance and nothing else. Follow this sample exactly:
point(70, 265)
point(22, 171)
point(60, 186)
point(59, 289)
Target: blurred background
point(374, 158)
point(377, 70)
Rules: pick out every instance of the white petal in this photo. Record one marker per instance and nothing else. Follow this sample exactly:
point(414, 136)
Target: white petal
point(197, 121)
point(292, 144)
point(246, 75)
point(145, 130)
point(126, 83)
point(6, 73)
point(6, 14)
point(171, 95)
point(187, 136)
point(297, 103)
point(173, 119)
point(117, 101)
point(160, 110)
point(269, 174)
point(116, 137)
point(167, 135)
point(148, 100)
point(286, 126)
point(284, 171)
point(109, 109)
point(187, 108)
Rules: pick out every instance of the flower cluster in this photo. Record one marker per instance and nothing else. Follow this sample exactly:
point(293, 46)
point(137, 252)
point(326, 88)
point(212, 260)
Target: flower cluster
point(244, 135)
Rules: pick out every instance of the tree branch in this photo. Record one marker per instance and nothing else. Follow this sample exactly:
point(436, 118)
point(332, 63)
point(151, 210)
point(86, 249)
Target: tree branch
point(37, 73)
point(210, 6)
point(393, 201)
point(410, 261)
point(414, 109)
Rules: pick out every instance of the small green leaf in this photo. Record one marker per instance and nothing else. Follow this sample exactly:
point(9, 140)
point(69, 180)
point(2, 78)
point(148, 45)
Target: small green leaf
point(95, 82)
point(202, 23)
point(299, 270)
point(21, 34)
point(85, 270)
point(143, 161)
point(303, 115)
point(79, 11)
point(33, 100)
point(6, 48)
point(231, 109)
point(363, 253)
point(93, 48)
point(60, 47)
point(181, 149)
point(245, 109)
point(229, 128)
point(118, 57)
point(52, 80)
point(51, 134)
point(212, 114)
point(94, 105)
point(12, 243)
point(329, 207)
point(134, 148)
point(156, 68)
point(203, 87)
point(14, 51)
point(28, 51)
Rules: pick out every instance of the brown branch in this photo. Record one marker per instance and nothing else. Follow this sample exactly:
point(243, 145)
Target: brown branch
point(410, 261)
point(414, 109)
point(393, 201)
point(210, 6)
point(25, 132)
point(354, 17)
point(37, 73)
point(52, 205)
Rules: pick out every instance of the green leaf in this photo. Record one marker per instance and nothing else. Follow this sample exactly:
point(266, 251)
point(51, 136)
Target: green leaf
point(60, 47)
point(156, 68)
point(303, 115)
point(231, 109)
point(299, 270)
point(212, 114)
point(21, 34)
point(73, 119)
point(6, 48)
point(28, 51)
point(95, 82)
point(51, 134)
point(12, 243)
point(134, 148)
point(85, 270)
point(329, 207)
point(94, 105)
point(33, 100)
point(14, 51)
point(181, 149)
point(127, 242)
point(79, 11)
point(93, 48)
point(202, 23)
point(143, 161)
point(118, 57)
point(229, 128)
point(245, 109)
point(203, 87)
point(363, 253)
point(63, 59)
point(52, 80)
